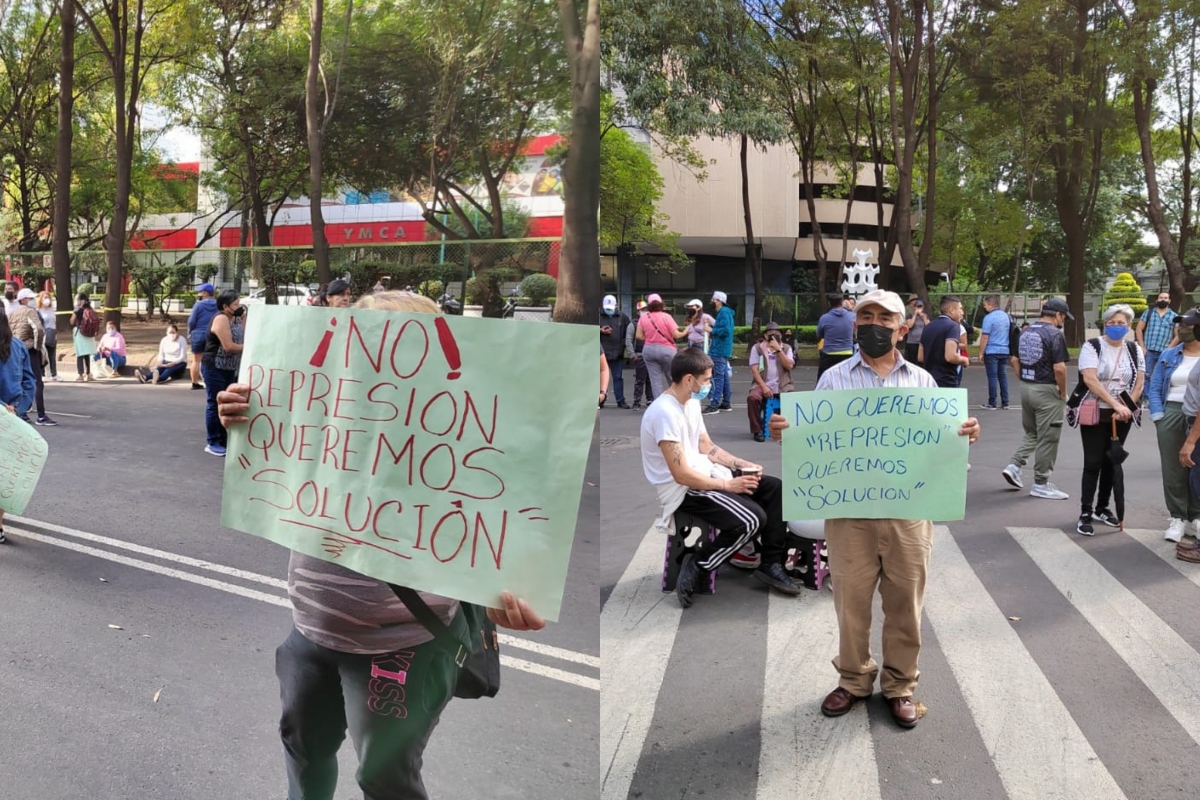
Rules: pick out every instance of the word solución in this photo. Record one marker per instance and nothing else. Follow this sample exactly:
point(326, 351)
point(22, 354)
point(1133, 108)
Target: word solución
point(820, 498)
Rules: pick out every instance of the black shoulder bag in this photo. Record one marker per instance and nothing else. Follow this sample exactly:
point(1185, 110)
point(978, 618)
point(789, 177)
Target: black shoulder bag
point(477, 655)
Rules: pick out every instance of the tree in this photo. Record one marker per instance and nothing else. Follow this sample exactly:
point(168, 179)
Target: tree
point(579, 262)
point(630, 187)
point(62, 160)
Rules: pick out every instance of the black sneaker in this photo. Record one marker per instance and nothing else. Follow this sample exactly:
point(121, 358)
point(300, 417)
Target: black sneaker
point(637, 403)
point(725, 407)
point(25, 418)
point(622, 404)
point(773, 575)
point(1107, 517)
point(197, 386)
point(1084, 526)
point(760, 437)
point(3, 539)
point(689, 576)
point(45, 422)
point(711, 410)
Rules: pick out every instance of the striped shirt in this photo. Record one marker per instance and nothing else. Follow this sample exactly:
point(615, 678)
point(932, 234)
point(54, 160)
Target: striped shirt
point(1159, 329)
point(853, 373)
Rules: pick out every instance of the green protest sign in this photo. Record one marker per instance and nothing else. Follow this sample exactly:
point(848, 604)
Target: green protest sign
point(875, 454)
point(22, 456)
point(442, 453)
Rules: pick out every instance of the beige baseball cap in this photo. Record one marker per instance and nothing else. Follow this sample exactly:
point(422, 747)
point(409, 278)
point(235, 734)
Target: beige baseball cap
point(890, 301)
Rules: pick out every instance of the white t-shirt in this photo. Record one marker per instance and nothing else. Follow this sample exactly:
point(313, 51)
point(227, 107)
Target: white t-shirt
point(1112, 366)
point(668, 421)
point(1179, 378)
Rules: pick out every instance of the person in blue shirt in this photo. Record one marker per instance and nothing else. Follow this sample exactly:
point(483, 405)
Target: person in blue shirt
point(836, 329)
point(197, 328)
point(993, 346)
point(17, 383)
point(720, 350)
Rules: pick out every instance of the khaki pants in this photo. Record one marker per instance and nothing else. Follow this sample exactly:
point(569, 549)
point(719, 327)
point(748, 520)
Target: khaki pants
point(1042, 418)
point(1177, 491)
point(892, 554)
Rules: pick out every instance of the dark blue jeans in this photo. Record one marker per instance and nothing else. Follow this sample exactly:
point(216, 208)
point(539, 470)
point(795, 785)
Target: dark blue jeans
point(215, 380)
point(722, 392)
point(997, 373)
point(617, 367)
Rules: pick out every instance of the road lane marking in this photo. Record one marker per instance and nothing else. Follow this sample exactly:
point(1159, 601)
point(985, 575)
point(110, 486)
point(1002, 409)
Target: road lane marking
point(1043, 754)
point(804, 754)
point(1154, 542)
point(273, 599)
point(1159, 656)
point(637, 633)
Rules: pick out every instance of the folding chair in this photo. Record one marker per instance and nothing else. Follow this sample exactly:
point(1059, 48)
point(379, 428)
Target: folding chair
point(683, 537)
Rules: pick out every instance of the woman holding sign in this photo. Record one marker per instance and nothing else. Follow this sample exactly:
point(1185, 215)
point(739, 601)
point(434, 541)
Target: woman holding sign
point(17, 383)
point(358, 659)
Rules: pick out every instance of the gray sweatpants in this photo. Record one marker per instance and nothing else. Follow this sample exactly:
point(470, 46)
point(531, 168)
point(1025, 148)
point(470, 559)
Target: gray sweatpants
point(1042, 418)
point(658, 358)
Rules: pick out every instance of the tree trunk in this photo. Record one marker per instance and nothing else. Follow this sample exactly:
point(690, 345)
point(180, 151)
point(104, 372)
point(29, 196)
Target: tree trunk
point(753, 262)
point(62, 160)
point(925, 254)
point(114, 240)
point(312, 118)
point(579, 261)
point(1143, 111)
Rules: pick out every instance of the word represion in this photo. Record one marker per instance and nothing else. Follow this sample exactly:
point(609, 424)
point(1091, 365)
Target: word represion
point(875, 453)
point(372, 443)
point(24, 455)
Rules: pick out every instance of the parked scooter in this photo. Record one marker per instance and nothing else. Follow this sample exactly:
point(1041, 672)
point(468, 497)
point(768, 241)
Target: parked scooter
point(449, 304)
point(510, 305)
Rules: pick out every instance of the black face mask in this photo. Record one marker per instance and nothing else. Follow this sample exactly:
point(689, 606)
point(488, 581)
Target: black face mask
point(875, 340)
point(1163, 303)
point(10, 296)
point(239, 312)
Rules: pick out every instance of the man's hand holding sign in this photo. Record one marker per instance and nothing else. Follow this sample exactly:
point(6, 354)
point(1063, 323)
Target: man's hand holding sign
point(877, 452)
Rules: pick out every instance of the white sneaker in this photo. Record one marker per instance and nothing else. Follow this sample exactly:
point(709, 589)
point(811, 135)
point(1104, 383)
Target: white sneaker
point(1012, 474)
point(1047, 491)
point(1192, 528)
point(1174, 530)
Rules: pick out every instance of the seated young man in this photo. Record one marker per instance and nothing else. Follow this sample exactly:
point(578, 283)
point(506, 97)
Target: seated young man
point(771, 363)
point(693, 475)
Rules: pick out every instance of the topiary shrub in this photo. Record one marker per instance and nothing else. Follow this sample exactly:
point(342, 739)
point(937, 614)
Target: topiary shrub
point(1125, 290)
point(538, 288)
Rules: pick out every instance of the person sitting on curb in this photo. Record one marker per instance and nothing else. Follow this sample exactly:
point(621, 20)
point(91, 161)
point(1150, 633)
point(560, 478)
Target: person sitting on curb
point(892, 554)
point(771, 363)
point(111, 351)
point(171, 360)
point(692, 475)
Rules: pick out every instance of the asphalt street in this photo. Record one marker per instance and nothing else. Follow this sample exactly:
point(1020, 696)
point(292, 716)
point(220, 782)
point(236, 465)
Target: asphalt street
point(1053, 665)
point(139, 634)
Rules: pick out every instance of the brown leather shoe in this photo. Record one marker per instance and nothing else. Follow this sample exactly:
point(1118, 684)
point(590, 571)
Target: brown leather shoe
point(1187, 551)
point(838, 702)
point(904, 712)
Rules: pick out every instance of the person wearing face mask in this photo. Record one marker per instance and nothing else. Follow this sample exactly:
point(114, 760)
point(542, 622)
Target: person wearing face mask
point(1042, 367)
point(10, 296)
point(1114, 374)
point(221, 362)
point(1156, 331)
point(1166, 391)
point(197, 328)
point(940, 350)
point(84, 343)
point(694, 476)
point(891, 554)
point(614, 325)
point(111, 354)
point(171, 360)
point(720, 348)
point(27, 327)
point(45, 309)
point(771, 363)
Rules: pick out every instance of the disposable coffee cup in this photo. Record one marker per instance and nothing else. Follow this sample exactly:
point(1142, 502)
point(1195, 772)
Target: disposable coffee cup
point(748, 471)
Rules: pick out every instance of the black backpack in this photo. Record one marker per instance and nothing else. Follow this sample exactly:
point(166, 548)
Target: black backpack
point(1014, 339)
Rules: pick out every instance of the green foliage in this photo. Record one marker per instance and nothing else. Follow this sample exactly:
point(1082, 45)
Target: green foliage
point(486, 288)
point(802, 334)
point(630, 188)
point(538, 288)
point(1125, 290)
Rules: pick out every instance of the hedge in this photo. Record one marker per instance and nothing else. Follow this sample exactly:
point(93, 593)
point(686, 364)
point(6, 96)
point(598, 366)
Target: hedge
point(804, 334)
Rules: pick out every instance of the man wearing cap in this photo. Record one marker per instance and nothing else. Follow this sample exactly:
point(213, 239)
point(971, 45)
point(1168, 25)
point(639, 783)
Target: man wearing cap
point(614, 328)
point(641, 377)
point(338, 293)
point(892, 554)
point(197, 328)
point(1042, 357)
point(720, 349)
point(771, 363)
point(27, 326)
point(835, 329)
point(699, 325)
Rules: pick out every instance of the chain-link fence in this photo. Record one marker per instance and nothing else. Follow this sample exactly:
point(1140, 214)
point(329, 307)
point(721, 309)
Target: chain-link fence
point(482, 272)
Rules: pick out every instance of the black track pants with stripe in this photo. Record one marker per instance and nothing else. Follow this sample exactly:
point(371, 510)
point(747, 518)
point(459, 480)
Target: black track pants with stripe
point(740, 518)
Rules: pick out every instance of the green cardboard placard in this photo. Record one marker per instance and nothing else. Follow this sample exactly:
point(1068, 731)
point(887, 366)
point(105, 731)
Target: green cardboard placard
point(24, 454)
point(446, 454)
point(875, 454)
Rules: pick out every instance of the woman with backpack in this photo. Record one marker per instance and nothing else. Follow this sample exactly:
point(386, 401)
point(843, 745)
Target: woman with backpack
point(85, 324)
point(17, 383)
point(1113, 371)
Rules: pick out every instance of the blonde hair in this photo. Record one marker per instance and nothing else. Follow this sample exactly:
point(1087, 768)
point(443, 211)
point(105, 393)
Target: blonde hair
point(44, 295)
point(398, 301)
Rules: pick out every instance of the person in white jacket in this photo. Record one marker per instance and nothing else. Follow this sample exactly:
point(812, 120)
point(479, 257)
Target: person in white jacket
point(171, 360)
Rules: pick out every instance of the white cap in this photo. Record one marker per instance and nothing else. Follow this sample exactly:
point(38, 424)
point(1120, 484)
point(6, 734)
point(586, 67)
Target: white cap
point(694, 304)
point(26, 294)
point(720, 296)
point(890, 301)
point(609, 303)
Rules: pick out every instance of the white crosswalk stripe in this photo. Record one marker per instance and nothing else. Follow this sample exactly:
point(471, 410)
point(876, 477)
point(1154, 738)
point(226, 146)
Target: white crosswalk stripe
point(1035, 744)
